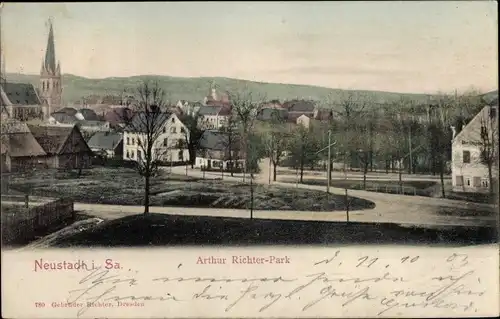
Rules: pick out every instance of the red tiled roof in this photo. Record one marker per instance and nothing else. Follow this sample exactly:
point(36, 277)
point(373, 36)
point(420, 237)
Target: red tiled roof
point(118, 115)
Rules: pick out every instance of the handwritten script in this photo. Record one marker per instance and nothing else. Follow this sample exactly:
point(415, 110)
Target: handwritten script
point(369, 282)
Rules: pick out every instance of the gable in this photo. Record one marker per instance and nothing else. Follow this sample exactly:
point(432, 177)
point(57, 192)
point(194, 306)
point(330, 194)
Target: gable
point(75, 143)
point(471, 133)
point(105, 140)
point(51, 138)
point(21, 145)
point(177, 122)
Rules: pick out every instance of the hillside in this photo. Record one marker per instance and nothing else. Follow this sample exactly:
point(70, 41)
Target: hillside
point(195, 89)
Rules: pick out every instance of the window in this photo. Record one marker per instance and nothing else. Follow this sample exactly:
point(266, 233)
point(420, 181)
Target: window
point(181, 156)
point(128, 154)
point(484, 182)
point(132, 154)
point(138, 142)
point(477, 181)
point(467, 181)
point(139, 155)
point(133, 141)
point(173, 130)
point(48, 85)
point(173, 119)
point(466, 157)
point(128, 141)
point(164, 129)
point(183, 130)
point(165, 142)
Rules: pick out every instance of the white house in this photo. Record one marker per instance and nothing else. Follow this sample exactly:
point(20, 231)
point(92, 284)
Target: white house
point(216, 152)
point(304, 120)
point(469, 171)
point(213, 117)
point(170, 145)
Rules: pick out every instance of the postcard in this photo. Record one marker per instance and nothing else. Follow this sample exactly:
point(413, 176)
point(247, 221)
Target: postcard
point(249, 159)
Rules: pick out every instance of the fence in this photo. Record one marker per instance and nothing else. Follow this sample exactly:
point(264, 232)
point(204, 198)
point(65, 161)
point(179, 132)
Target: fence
point(21, 222)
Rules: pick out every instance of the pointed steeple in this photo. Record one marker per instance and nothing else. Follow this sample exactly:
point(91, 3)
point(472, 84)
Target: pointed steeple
point(50, 53)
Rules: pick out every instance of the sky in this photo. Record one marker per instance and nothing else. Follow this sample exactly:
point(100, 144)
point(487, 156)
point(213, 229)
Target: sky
point(420, 47)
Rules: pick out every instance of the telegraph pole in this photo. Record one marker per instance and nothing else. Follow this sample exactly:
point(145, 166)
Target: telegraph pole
point(330, 144)
point(410, 146)
point(329, 161)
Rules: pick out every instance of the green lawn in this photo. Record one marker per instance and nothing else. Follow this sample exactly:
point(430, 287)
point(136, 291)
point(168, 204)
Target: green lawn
point(121, 186)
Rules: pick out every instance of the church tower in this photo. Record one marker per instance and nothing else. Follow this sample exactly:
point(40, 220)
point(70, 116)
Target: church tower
point(50, 88)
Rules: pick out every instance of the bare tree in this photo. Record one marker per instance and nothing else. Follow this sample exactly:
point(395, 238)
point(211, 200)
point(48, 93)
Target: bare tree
point(146, 125)
point(246, 107)
point(303, 147)
point(346, 111)
point(488, 144)
point(192, 134)
point(440, 135)
point(362, 142)
point(393, 128)
point(231, 132)
point(276, 134)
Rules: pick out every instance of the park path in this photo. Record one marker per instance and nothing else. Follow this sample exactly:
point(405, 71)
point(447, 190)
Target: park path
point(392, 199)
point(390, 208)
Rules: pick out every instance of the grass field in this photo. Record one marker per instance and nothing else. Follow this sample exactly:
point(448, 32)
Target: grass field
point(120, 186)
point(168, 230)
point(412, 187)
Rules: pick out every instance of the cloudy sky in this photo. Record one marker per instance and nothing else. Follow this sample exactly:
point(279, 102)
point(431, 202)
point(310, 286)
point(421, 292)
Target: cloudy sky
point(390, 46)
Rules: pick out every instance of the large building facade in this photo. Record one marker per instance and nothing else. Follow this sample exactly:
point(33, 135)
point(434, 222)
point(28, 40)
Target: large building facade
point(170, 144)
point(472, 149)
point(50, 86)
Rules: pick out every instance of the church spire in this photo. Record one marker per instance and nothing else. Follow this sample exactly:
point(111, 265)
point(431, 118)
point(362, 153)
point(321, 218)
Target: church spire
point(50, 54)
point(50, 87)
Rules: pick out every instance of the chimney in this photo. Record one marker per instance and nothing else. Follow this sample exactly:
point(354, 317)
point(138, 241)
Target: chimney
point(454, 132)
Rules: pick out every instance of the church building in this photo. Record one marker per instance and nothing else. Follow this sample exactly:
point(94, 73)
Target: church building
point(24, 102)
point(50, 87)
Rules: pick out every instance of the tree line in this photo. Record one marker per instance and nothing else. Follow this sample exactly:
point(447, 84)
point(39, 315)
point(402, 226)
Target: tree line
point(400, 136)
